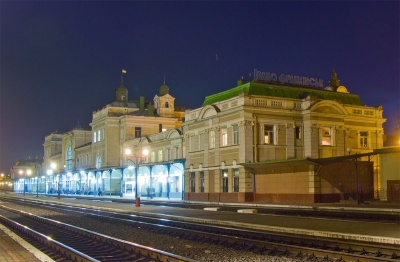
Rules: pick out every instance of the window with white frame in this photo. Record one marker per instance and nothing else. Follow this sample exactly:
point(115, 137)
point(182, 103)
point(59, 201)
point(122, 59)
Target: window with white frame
point(153, 156)
point(94, 137)
point(192, 182)
point(201, 141)
point(68, 158)
point(269, 134)
point(235, 134)
point(192, 141)
point(212, 139)
point(298, 132)
point(138, 132)
point(160, 155)
point(326, 136)
point(224, 136)
point(364, 139)
point(236, 180)
point(98, 162)
point(202, 181)
point(98, 135)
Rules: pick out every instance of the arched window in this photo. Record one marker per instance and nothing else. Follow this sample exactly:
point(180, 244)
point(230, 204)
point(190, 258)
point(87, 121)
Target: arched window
point(68, 158)
point(166, 104)
point(98, 162)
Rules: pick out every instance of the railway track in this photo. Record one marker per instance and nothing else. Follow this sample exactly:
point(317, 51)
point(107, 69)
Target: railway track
point(64, 242)
point(255, 241)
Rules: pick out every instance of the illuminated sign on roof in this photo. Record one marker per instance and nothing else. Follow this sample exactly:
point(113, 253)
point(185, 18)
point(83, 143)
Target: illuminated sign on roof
point(288, 79)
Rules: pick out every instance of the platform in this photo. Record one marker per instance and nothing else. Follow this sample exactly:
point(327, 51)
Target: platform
point(14, 248)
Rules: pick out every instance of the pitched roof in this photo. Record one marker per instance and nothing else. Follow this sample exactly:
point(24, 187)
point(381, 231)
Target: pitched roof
point(283, 91)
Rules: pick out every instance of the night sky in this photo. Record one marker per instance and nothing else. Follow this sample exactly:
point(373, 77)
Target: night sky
point(62, 60)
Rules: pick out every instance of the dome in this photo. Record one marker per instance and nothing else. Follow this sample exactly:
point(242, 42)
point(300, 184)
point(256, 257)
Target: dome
point(122, 94)
point(164, 89)
point(342, 89)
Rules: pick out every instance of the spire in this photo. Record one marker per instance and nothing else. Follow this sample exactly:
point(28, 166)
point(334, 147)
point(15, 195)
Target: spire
point(122, 76)
point(122, 91)
point(334, 82)
point(164, 89)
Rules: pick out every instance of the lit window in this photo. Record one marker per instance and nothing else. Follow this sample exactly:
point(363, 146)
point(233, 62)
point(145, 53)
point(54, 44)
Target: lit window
point(363, 139)
point(224, 137)
point(98, 162)
point(160, 155)
point(326, 136)
point(224, 177)
point(153, 156)
point(268, 134)
point(94, 137)
point(98, 136)
point(235, 135)
point(202, 181)
point(212, 139)
point(68, 158)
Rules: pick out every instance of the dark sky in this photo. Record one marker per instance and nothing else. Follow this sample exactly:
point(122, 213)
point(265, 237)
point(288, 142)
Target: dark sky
point(62, 60)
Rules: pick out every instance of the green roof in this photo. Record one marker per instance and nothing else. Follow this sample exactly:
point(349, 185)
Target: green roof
point(273, 90)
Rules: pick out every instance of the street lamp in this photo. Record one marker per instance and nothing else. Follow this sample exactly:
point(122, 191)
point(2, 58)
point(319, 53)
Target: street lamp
point(138, 160)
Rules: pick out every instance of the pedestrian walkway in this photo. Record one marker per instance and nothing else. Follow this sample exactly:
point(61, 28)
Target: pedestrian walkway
point(14, 248)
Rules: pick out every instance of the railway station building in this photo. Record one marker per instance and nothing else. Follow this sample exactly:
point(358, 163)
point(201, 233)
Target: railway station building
point(268, 142)
point(272, 139)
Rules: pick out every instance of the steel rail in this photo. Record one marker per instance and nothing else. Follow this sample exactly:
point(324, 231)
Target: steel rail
point(96, 239)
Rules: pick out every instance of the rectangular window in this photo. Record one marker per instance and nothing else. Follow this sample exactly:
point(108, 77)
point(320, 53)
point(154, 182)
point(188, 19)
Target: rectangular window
point(224, 181)
point(153, 156)
point(201, 141)
point(94, 137)
point(236, 180)
point(138, 132)
point(364, 139)
point(169, 154)
point(326, 136)
point(269, 134)
point(160, 155)
point(235, 135)
point(298, 132)
point(98, 135)
point(192, 182)
point(202, 181)
point(212, 139)
point(224, 137)
point(192, 142)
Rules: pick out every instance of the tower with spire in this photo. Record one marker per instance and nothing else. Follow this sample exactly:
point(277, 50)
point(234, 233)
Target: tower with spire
point(164, 102)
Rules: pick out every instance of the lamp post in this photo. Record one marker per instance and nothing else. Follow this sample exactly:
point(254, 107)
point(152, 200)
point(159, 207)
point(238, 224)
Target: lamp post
point(138, 160)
